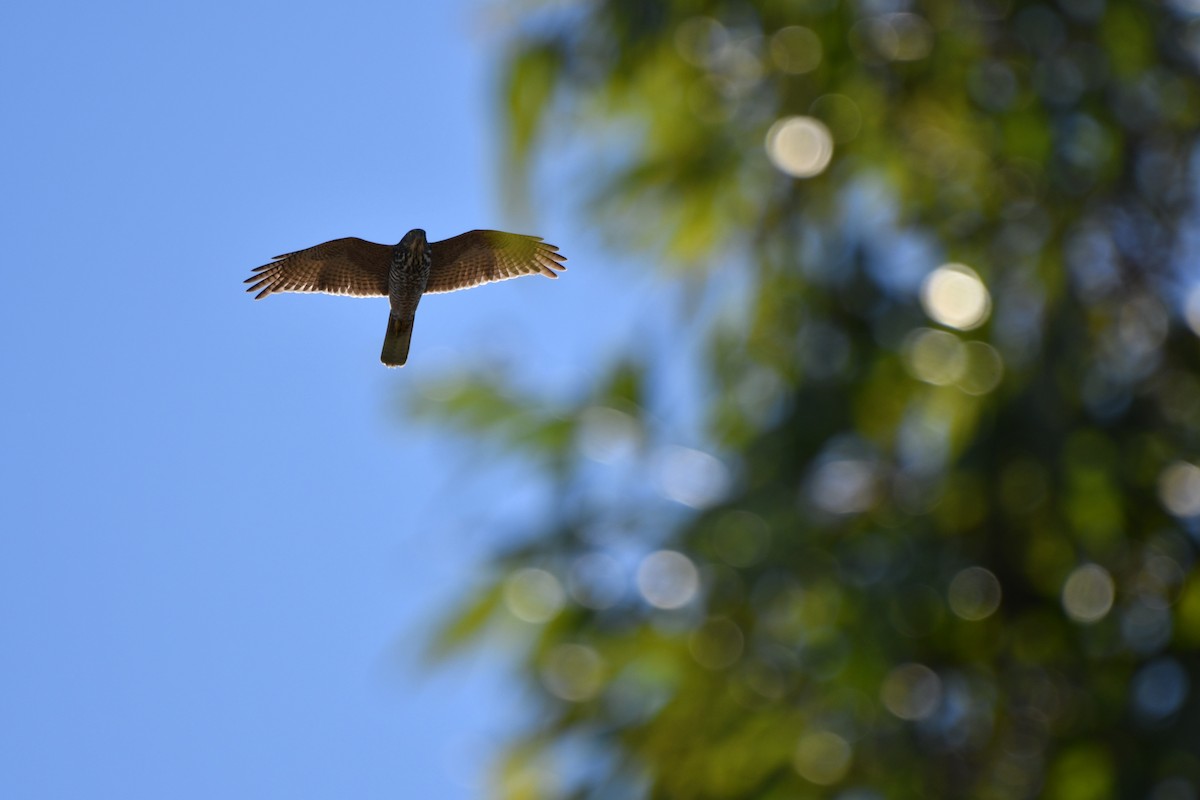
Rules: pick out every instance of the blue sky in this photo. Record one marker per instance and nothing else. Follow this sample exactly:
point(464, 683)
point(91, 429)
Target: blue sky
point(222, 545)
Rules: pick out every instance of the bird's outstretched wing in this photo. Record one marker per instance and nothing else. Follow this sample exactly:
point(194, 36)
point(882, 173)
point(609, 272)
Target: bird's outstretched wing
point(343, 266)
point(479, 257)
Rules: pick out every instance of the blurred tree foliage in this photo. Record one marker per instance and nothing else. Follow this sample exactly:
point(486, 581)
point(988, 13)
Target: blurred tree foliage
point(937, 539)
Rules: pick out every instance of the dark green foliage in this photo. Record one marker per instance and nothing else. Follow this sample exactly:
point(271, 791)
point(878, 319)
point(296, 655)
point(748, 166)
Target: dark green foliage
point(881, 476)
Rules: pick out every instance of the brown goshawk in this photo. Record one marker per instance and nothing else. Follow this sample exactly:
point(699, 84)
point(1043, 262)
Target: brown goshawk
point(405, 271)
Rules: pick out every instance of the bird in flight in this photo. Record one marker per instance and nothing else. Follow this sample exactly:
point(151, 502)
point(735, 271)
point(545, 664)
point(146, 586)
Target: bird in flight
point(404, 272)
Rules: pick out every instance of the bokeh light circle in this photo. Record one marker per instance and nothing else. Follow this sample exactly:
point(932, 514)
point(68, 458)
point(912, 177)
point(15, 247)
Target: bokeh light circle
point(974, 594)
point(935, 357)
point(533, 595)
point(800, 146)
point(954, 295)
point(667, 579)
point(573, 672)
point(796, 50)
point(1160, 688)
point(1191, 308)
point(822, 757)
point(1179, 489)
point(911, 691)
point(1088, 593)
point(691, 477)
point(984, 369)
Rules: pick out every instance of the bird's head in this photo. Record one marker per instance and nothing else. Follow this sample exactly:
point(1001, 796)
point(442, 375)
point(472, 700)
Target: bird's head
point(415, 242)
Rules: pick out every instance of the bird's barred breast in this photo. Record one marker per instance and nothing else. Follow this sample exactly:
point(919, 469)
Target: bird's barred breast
point(407, 279)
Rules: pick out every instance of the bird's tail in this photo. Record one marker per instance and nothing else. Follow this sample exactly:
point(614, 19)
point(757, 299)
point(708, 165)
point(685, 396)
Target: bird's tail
point(395, 343)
